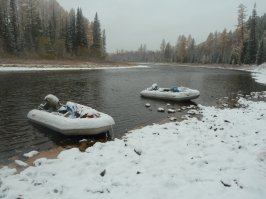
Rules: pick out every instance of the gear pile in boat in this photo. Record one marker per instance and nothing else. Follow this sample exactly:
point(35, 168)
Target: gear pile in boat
point(177, 93)
point(69, 110)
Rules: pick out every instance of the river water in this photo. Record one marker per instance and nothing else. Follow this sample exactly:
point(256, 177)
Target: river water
point(113, 91)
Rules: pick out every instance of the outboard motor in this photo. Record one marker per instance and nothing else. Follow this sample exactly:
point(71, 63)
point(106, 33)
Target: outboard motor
point(51, 103)
point(154, 87)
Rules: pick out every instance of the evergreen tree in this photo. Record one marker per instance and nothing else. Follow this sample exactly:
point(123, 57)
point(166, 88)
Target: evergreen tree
point(1, 18)
point(191, 49)
point(1, 26)
point(5, 28)
point(260, 58)
point(14, 30)
point(182, 51)
point(241, 30)
point(162, 49)
point(52, 25)
point(81, 37)
point(70, 39)
point(168, 52)
point(251, 52)
point(32, 25)
point(67, 36)
point(96, 45)
point(103, 44)
point(222, 45)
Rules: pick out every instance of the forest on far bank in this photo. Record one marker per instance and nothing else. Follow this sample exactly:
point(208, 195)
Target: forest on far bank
point(43, 29)
point(244, 45)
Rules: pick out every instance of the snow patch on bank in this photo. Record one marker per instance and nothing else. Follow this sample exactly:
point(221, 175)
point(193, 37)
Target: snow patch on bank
point(30, 154)
point(58, 68)
point(259, 73)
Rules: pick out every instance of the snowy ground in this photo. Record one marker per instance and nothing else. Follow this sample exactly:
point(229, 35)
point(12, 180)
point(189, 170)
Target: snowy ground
point(221, 156)
point(259, 73)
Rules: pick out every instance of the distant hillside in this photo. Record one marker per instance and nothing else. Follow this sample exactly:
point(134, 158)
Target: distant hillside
point(43, 29)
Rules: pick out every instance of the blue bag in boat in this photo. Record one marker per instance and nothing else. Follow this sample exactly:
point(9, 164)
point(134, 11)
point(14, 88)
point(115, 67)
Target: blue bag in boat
point(175, 89)
point(71, 108)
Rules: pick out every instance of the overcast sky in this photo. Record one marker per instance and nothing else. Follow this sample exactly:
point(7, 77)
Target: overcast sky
point(130, 23)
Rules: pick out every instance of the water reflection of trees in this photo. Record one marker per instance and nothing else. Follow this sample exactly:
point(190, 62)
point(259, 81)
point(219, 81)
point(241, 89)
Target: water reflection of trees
point(216, 85)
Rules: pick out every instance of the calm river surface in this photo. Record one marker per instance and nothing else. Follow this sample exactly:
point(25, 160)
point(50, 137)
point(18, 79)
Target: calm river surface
point(113, 91)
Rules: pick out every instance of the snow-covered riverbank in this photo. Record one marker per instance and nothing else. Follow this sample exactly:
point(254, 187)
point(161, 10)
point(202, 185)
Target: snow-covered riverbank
point(59, 68)
point(221, 156)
